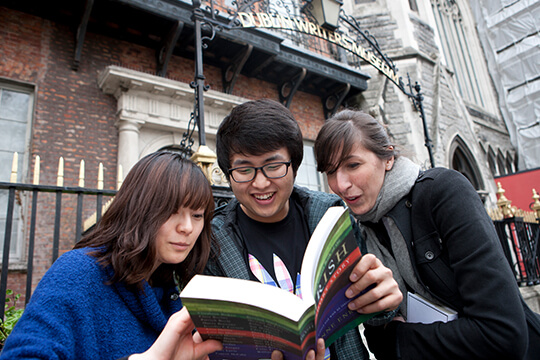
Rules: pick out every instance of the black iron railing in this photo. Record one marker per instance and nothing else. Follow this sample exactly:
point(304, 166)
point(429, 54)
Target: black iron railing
point(519, 240)
point(18, 191)
point(52, 210)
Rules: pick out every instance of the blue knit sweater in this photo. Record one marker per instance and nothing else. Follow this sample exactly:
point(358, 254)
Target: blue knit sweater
point(74, 315)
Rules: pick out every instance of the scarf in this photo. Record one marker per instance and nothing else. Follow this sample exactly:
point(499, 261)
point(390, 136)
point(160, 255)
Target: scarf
point(398, 182)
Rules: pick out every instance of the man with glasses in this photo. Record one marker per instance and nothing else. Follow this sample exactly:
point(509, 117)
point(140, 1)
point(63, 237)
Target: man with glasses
point(263, 233)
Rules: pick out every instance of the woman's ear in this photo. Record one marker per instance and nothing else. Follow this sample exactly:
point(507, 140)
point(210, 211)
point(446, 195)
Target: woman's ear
point(389, 164)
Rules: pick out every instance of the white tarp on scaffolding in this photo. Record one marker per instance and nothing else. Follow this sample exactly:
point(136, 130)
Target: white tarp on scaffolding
point(510, 34)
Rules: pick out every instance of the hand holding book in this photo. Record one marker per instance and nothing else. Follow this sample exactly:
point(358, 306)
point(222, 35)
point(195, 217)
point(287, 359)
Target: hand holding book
point(367, 274)
point(253, 319)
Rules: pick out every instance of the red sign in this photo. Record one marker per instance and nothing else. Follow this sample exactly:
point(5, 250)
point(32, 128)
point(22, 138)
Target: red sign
point(519, 187)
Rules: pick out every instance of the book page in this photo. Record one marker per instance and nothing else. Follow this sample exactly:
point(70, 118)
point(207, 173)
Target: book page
point(246, 292)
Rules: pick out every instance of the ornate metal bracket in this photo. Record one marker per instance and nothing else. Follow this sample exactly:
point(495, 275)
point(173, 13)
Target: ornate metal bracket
point(81, 33)
point(289, 88)
point(210, 19)
point(230, 74)
point(333, 101)
point(187, 141)
point(373, 44)
point(165, 52)
point(417, 98)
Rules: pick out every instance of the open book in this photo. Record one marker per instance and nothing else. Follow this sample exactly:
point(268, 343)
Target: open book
point(253, 319)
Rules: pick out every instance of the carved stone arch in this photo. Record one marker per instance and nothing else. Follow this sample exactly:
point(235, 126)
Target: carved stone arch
point(158, 143)
point(462, 160)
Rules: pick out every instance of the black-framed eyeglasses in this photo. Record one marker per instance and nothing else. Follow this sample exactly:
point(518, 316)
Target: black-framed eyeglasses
point(273, 170)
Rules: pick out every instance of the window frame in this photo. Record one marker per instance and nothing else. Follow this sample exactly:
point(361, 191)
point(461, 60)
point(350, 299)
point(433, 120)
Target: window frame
point(18, 230)
point(453, 24)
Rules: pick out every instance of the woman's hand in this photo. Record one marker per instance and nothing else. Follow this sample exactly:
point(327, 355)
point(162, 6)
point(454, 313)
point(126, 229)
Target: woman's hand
point(176, 342)
point(384, 295)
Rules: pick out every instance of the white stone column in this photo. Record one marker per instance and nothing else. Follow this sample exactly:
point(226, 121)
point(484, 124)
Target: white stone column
point(128, 144)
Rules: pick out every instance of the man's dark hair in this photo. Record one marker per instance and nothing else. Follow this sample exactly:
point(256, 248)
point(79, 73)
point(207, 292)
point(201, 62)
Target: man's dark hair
point(257, 127)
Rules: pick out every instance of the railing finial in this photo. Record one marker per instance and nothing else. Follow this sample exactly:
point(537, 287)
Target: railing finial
point(100, 177)
point(37, 169)
point(503, 203)
point(119, 177)
point(60, 176)
point(81, 174)
point(205, 158)
point(14, 164)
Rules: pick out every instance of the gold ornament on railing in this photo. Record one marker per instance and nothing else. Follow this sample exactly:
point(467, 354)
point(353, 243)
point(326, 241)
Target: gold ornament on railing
point(504, 204)
point(536, 203)
point(81, 174)
point(218, 177)
point(205, 158)
point(100, 177)
point(119, 177)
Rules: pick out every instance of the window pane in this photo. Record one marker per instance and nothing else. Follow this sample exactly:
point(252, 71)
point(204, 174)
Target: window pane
point(307, 172)
point(12, 136)
point(14, 105)
point(15, 241)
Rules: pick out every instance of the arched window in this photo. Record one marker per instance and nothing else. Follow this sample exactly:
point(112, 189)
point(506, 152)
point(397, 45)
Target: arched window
point(501, 164)
point(492, 161)
point(462, 160)
point(509, 163)
point(454, 34)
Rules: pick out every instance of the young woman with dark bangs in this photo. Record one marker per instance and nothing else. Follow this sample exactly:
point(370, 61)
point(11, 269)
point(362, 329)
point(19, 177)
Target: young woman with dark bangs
point(116, 294)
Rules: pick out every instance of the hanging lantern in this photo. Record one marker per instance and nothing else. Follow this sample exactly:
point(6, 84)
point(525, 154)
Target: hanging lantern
point(326, 12)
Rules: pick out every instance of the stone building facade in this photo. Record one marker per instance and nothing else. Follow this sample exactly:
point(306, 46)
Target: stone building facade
point(462, 110)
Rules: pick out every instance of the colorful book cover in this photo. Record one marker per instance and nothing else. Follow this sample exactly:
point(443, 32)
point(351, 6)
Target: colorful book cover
point(253, 319)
